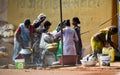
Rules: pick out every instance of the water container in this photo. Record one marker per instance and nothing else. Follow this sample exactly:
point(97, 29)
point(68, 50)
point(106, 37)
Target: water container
point(19, 63)
point(49, 59)
point(104, 60)
point(110, 52)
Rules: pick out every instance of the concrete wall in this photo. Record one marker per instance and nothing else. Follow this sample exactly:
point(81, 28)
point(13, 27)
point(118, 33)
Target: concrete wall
point(3, 10)
point(92, 13)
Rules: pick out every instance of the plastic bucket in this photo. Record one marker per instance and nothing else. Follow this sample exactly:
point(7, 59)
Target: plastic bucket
point(50, 60)
point(104, 60)
point(110, 51)
point(19, 63)
point(68, 59)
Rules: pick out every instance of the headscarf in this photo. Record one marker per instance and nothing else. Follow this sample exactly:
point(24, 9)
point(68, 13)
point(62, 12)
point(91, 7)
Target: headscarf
point(38, 19)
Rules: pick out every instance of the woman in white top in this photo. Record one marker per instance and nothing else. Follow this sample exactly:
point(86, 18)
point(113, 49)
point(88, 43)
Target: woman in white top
point(69, 36)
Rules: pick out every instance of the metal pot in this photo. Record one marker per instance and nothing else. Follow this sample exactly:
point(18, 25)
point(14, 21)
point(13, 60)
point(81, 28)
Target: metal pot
point(25, 51)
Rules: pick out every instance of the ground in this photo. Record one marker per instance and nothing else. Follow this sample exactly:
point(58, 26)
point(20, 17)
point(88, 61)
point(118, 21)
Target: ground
point(114, 69)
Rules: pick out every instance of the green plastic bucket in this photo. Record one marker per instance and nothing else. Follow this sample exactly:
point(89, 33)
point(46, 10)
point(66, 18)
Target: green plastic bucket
point(19, 63)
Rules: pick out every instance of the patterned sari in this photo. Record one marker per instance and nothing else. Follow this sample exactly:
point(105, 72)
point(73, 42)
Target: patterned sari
point(24, 39)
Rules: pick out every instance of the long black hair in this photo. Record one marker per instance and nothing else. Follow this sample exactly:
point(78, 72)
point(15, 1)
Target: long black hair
point(76, 19)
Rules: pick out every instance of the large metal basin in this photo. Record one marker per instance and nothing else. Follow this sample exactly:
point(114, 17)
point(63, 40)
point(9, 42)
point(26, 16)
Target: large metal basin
point(25, 51)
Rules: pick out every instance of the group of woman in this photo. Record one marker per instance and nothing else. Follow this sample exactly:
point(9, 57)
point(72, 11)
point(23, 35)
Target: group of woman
point(27, 34)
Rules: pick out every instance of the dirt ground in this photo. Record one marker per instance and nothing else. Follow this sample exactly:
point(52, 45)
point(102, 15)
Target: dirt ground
point(114, 69)
point(44, 72)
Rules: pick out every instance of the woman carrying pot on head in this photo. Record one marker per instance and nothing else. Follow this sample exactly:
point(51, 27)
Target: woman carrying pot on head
point(23, 37)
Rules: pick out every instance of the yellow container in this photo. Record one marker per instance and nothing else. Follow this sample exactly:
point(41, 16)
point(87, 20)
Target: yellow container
point(110, 51)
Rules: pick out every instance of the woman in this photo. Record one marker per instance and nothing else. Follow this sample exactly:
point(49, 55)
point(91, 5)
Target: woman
point(78, 45)
point(103, 38)
point(23, 36)
point(39, 54)
point(58, 40)
point(38, 25)
point(44, 31)
point(69, 36)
